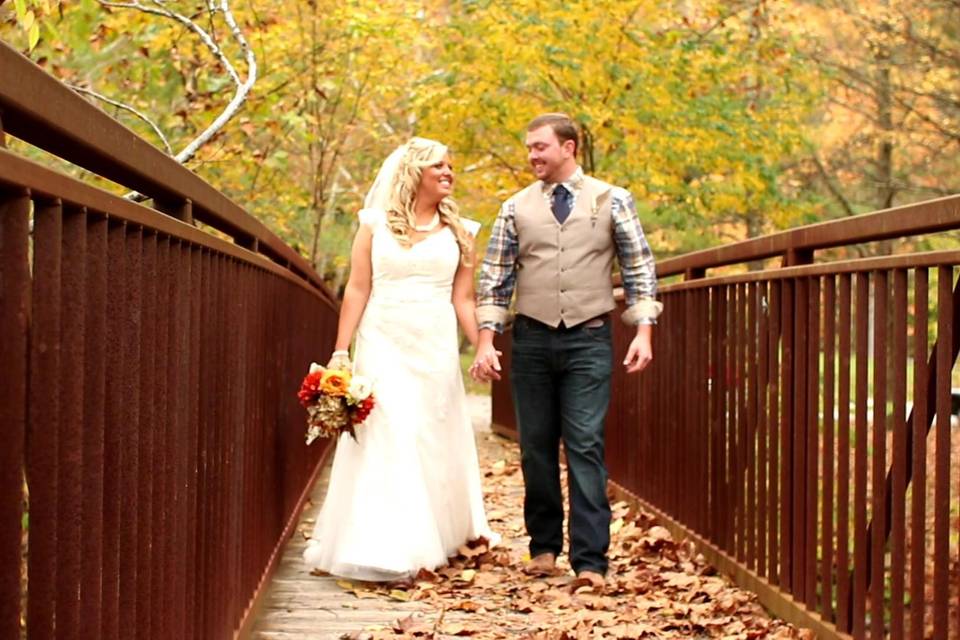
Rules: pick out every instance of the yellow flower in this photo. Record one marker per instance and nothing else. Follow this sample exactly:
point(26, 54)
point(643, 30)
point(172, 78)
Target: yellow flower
point(334, 383)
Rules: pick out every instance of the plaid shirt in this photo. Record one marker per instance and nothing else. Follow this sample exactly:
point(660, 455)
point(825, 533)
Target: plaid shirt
point(498, 276)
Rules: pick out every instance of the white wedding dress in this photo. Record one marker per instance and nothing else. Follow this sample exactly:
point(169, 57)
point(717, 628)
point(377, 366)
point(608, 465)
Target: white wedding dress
point(407, 494)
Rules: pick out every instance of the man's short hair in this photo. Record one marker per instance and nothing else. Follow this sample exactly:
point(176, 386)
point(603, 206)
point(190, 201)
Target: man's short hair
point(562, 125)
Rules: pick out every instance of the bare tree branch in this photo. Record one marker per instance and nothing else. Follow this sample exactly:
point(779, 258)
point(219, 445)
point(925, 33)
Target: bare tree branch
point(243, 87)
point(832, 187)
point(203, 34)
point(732, 12)
point(126, 107)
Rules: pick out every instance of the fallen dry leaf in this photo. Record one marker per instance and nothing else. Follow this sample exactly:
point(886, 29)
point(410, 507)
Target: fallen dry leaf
point(657, 587)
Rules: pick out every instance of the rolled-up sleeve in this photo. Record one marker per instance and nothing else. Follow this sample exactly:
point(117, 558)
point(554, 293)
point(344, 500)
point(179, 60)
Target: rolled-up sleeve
point(498, 274)
point(637, 265)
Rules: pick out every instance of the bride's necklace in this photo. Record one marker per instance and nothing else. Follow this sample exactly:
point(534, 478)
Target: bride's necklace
point(430, 226)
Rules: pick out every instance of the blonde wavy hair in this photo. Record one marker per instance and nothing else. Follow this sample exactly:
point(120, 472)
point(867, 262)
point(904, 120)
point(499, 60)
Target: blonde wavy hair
point(419, 154)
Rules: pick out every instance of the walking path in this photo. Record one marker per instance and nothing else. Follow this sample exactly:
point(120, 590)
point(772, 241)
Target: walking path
point(657, 588)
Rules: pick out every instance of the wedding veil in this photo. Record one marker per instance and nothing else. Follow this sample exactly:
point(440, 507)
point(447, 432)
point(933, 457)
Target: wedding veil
point(378, 197)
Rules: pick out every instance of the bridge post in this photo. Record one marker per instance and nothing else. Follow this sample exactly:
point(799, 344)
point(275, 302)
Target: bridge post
point(795, 257)
point(248, 242)
point(181, 210)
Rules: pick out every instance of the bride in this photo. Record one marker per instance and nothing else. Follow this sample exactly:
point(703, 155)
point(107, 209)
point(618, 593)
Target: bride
point(407, 493)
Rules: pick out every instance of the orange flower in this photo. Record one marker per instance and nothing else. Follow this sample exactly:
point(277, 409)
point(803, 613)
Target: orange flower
point(335, 383)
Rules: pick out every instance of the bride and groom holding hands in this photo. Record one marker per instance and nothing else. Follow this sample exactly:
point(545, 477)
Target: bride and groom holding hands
point(406, 493)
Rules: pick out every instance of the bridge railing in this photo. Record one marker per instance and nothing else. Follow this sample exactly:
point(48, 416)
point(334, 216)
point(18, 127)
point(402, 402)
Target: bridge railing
point(153, 460)
point(796, 422)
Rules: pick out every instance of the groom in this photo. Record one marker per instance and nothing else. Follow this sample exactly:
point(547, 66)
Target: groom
point(554, 242)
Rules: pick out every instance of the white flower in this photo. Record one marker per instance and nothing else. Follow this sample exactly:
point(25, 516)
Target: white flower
point(315, 367)
point(360, 388)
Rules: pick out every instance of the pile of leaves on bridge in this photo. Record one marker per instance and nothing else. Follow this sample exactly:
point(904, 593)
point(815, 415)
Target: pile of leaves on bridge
point(657, 587)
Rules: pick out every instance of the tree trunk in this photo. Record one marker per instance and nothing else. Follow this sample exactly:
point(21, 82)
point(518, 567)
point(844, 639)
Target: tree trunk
point(754, 230)
point(885, 185)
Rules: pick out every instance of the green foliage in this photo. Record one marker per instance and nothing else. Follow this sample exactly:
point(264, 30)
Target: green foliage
point(29, 16)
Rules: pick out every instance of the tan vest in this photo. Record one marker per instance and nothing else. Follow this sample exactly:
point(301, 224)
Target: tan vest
point(563, 271)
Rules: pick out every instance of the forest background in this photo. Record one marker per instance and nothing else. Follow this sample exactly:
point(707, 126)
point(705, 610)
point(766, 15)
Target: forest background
point(726, 119)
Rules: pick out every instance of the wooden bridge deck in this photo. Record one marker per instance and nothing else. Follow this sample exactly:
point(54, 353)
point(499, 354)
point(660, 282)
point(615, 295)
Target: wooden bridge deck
point(657, 588)
point(310, 607)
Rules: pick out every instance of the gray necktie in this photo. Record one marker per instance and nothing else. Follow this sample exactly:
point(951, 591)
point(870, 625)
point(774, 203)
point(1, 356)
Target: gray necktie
point(560, 203)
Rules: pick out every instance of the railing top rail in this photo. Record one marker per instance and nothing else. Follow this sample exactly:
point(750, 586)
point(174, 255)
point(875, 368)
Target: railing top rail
point(44, 183)
point(43, 112)
point(913, 219)
point(924, 260)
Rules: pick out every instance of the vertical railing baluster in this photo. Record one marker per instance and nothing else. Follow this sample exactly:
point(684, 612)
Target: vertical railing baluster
point(739, 444)
point(129, 389)
point(787, 540)
point(163, 491)
point(750, 456)
point(941, 506)
point(715, 416)
point(763, 427)
point(702, 434)
point(774, 504)
point(827, 543)
point(14, 318)
point(94, 427)
point(177, 439)
point(899, 450)
point(196, 296)
point(728, 428)
point(860, 560)
point(208, 371)
point(799, 436)
point(70, 454)
point(146, 467)
point(877, 542)
point(921, 418)
point(811, 428)
point(113, 426)
point(44, 419)
point(844, 601)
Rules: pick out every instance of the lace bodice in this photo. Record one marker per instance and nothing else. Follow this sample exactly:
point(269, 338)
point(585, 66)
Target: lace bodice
point(422, 272)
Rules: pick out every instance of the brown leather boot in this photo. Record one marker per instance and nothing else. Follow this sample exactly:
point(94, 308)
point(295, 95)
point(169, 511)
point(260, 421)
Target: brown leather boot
point(596, 582)
point(544, 564)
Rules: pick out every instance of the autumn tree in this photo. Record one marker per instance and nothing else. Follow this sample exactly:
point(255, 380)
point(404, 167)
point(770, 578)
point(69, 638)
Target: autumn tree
point(339, 95)
point(890, 129)
point(698, 112)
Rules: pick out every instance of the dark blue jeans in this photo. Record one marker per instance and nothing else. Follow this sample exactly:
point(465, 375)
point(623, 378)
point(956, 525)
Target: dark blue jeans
point(561, 390)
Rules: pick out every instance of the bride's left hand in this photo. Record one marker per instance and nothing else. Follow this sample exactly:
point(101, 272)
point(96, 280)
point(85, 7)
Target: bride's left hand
point(486, 364)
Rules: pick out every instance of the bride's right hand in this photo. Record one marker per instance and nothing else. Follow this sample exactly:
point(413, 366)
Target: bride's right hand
point(340, 361)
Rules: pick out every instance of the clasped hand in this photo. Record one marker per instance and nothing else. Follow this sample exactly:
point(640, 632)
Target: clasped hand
point(486, 364)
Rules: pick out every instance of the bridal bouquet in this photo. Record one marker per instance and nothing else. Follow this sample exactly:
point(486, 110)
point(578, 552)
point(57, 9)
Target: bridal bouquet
point(336, 401)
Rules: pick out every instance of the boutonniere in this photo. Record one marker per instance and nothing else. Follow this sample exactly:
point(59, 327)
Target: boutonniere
point(595, 205)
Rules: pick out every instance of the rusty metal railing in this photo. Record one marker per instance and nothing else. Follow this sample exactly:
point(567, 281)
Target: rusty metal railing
point(796, 423)
point(153, 461)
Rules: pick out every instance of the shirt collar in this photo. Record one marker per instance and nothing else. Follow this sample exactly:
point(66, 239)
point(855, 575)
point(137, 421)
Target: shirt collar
point(573, 184)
